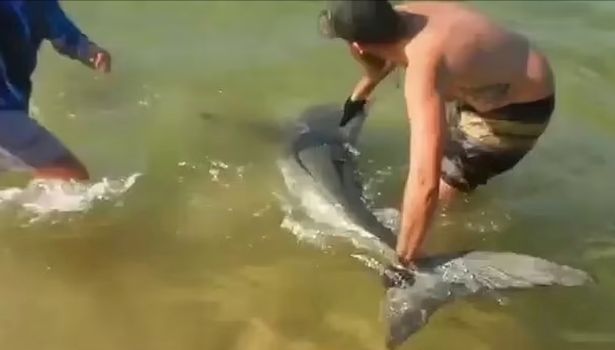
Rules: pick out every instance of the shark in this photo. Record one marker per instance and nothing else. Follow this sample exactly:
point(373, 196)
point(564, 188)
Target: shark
point(319, 165)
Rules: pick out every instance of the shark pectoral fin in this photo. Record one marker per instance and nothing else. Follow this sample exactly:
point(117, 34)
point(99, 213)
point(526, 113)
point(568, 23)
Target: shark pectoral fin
point(352, 129)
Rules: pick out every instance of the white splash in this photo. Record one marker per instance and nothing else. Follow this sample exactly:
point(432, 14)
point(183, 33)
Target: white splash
point(370, 262)
point(312, 218)
point(224, 173)
point(389, 217)
point(374, 182)
point(42, 197)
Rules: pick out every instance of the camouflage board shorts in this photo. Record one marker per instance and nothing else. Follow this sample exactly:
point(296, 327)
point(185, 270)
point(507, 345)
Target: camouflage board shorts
point(483, 145)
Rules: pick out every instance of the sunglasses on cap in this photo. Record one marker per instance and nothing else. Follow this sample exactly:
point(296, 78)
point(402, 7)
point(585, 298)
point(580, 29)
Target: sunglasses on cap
point(325, 27)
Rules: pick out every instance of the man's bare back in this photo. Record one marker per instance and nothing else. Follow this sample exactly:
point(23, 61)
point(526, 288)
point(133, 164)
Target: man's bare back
point(485, 65)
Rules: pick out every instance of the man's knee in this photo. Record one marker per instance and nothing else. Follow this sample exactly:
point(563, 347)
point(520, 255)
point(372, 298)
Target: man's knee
point(447, 193)
point(67, 167)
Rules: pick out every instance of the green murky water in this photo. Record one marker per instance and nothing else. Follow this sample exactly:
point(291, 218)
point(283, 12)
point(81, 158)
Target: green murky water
point(193, 256)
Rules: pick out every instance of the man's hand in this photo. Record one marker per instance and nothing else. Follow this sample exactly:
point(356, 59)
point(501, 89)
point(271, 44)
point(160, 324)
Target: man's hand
point(99, 59)
point(398, 276)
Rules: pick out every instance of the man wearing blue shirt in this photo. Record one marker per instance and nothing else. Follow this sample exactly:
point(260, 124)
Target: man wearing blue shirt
point(24, 144)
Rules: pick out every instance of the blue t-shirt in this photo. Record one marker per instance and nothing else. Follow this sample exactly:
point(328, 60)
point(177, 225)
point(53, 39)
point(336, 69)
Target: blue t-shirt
point(24, 24)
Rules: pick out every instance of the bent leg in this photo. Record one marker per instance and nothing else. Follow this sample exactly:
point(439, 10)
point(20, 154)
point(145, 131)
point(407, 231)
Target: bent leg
point(65, 168)
point(447, 194)
point(37, 149)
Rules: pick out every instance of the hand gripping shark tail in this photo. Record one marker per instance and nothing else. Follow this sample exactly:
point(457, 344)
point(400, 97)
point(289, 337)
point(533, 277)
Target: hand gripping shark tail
point(408, 305)
point(319, 164)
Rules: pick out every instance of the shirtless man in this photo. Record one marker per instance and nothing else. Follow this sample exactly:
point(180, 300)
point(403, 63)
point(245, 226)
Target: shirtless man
point(478, 95)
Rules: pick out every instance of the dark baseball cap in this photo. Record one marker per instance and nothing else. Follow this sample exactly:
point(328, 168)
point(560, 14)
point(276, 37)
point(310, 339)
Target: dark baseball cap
point(366, 21)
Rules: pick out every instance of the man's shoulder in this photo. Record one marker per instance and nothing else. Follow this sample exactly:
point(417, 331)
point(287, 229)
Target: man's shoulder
point(429, 44)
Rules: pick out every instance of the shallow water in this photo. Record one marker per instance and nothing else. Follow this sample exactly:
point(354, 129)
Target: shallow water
point(193, 255)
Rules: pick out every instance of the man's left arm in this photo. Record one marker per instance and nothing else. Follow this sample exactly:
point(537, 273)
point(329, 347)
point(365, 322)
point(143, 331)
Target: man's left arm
point(426, 107)
point(375, 70)
point(68, 40)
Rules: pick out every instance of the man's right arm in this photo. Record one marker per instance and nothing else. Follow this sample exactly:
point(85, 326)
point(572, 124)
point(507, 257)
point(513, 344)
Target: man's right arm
point(68, 40)
point(375, 70)
point(373, 76)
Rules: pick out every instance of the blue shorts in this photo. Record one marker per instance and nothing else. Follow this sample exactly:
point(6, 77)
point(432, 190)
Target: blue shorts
point(25, 144)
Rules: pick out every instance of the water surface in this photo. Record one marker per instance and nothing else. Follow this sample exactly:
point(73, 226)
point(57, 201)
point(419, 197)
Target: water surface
point(193, 255)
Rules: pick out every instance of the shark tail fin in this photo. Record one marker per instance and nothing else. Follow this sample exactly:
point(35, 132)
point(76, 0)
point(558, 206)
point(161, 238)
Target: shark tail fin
point(352, 130)
point(504, 270)
point(409, 302)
